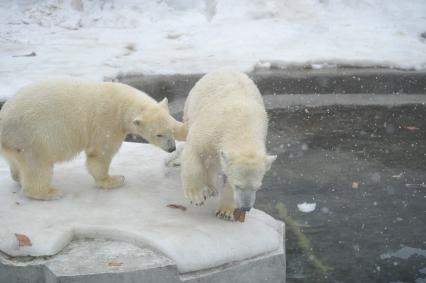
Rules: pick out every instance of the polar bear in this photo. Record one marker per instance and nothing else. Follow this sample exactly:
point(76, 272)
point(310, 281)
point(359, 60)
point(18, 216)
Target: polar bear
point(53, 121)
point(227, 125)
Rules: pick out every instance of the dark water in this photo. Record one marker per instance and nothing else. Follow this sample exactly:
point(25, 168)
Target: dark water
point(365, 168)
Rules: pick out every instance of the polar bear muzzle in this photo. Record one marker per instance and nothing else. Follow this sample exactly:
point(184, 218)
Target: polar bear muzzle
point(165, 142)
point(244, 198)
point(171, 146)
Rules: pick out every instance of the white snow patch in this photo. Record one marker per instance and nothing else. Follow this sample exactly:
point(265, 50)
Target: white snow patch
point(97, 39)
point(306, 207)
point(136, 213)
point(404, 253)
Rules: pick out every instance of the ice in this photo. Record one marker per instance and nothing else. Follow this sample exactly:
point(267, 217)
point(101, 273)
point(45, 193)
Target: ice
point(136, 213)
point(306, 207)
point(98, 39)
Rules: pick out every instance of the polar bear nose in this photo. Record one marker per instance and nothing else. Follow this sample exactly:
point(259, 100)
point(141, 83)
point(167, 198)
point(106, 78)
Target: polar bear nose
point(171, 149)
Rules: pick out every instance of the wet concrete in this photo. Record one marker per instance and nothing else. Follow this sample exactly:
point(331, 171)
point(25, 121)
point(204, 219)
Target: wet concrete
point(365, 168)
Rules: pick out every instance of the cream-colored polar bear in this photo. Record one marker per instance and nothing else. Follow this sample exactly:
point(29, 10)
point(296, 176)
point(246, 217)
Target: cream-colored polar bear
point(227, 125)
point(53, 121)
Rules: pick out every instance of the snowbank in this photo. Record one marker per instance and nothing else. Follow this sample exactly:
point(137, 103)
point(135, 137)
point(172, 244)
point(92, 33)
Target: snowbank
point(137, 213)
point(94, 39)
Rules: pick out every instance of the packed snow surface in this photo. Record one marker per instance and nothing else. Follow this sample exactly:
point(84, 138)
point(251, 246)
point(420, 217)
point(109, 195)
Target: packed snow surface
point(137, 213)
point(98, 39)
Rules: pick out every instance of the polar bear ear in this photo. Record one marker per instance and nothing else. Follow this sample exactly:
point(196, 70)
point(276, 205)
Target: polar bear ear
point(165, 103)
point(269, 160)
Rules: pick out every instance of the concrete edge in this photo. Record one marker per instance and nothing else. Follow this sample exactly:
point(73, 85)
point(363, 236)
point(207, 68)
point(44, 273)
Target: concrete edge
point(293, 81)
point(236, 265)
point(293, 102)
point(269, 267)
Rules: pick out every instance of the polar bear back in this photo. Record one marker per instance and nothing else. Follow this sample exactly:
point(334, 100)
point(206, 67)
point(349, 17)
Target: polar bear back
point(225, 103)
point(60, 116)
point(218, 89)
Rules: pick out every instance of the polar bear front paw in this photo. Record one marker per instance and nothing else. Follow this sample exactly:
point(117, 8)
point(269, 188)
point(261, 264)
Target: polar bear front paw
point(196, 196)
point(225, 212)
point(111, 182)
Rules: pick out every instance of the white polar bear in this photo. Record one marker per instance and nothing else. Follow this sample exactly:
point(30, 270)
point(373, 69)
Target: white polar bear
point(227, 125)
point(53, 121)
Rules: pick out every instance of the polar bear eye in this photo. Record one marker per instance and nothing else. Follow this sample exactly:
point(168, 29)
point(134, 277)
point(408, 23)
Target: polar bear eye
point(159, 136)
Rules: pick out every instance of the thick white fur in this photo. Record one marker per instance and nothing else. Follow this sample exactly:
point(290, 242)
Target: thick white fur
point(53, 121)
point(227, 126)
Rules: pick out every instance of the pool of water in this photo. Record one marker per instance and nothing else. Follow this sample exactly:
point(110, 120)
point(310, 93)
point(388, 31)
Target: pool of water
point(365, 169)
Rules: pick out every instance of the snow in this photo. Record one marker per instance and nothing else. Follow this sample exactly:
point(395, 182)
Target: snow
point(98, 39)
point(306, 207)
point(136, 213)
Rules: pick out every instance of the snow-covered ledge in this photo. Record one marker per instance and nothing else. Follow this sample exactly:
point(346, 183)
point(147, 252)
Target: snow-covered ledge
point(190, 244)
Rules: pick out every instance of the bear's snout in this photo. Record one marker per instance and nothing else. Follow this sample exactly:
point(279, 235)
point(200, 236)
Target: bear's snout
point(172, 148)
point(244, 198)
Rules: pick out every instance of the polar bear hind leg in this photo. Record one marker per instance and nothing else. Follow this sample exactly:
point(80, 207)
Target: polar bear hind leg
point(14, 170)
point(33, 174)
point(36, 182)
point(13, 163)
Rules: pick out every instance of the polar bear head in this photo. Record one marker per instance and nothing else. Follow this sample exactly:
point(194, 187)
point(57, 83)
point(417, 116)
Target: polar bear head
point(244, 172)
point(156, 125)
